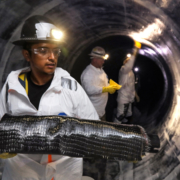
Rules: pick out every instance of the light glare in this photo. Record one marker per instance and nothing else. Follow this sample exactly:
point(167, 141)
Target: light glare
point(106, 56)
point(136, 69)
point(150, 32)
point(128, 55)
point(57, 34)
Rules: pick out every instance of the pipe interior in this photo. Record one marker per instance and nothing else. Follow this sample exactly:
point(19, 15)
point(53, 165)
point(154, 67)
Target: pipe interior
point(113, 25)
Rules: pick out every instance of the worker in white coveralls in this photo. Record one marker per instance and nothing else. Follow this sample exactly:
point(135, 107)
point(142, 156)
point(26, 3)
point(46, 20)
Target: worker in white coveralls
point(43, 89)
point(95, 81)
point(127, 93)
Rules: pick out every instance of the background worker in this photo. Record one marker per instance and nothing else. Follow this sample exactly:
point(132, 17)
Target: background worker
point(43, 89)
point(127, 93)
point(95, 81)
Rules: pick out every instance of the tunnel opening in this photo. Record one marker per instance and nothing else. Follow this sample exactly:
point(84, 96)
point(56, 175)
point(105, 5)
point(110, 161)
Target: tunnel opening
point(153, 79)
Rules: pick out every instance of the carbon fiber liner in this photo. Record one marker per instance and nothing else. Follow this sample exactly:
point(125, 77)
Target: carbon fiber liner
point(72, 137)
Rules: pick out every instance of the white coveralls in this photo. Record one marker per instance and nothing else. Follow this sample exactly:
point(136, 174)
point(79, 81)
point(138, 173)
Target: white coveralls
point(93, 80)
point(127, 92)
point(55, 100)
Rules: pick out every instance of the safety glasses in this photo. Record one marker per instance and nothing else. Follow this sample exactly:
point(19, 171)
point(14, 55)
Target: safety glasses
point(46, 52)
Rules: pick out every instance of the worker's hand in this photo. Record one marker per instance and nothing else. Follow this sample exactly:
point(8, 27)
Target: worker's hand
point(117, 86)
point(137, 44)
point(137, 98)
point(110, 89)
point(7, 155)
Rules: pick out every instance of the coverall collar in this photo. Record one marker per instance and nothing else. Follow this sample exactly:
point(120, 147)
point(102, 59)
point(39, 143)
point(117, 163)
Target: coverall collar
point(15, 85)
point(96, 69)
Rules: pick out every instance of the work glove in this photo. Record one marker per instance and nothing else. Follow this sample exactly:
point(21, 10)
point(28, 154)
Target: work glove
point(137, 44)
point(110, 89)
point(7, 155)
point(117, 86)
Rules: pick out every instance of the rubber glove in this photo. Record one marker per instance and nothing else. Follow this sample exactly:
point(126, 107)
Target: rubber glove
point(137, 44)
point(115, 84)
point(110, 89)
point(7, 155)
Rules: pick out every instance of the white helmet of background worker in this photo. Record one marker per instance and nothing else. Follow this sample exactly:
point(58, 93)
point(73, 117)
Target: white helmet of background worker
point(98, 52)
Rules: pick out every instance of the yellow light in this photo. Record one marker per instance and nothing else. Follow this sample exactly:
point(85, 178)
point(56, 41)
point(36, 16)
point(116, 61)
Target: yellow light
point(106, 56)
point(57, 34)
point(128, 55)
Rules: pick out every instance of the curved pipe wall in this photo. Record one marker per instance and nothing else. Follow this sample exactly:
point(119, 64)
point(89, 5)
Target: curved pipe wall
point(153, 22)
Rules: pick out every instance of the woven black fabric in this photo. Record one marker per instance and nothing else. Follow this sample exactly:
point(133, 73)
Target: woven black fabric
point(72, 137)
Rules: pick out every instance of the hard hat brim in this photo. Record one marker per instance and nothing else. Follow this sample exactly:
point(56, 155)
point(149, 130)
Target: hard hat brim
point(98, 56)
point(35, 41)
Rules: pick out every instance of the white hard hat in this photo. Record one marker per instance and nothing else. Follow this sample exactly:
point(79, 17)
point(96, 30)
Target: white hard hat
point(98, 52)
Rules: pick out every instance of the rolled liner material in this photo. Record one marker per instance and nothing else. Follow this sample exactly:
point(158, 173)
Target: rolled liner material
point(72, 137)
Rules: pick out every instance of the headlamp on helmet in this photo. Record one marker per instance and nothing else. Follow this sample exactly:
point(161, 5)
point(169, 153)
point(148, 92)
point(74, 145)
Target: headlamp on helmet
point(99, 52)
point(57, 34)
point(38, 29)
point(106, 56)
